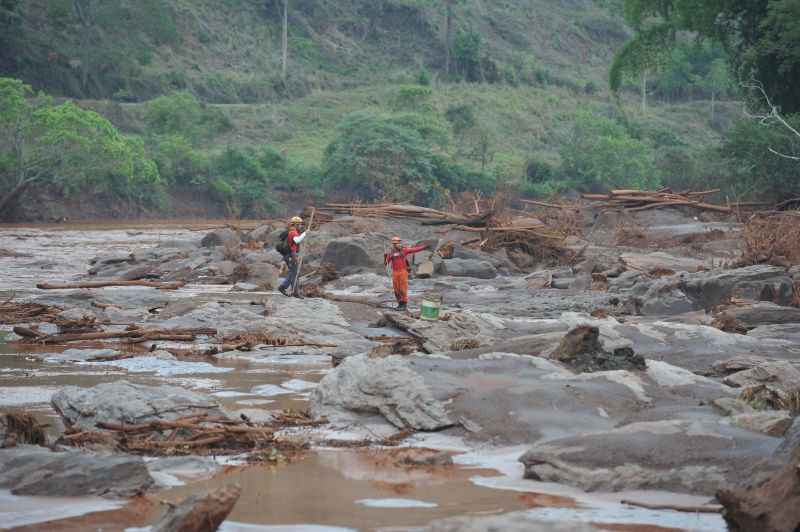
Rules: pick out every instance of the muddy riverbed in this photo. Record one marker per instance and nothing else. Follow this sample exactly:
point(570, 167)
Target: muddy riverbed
point(324, 488)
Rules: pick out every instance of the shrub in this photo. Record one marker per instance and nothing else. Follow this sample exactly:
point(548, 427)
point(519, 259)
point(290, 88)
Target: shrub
point(461, 117)
point(178, 162)
point(600, 154)
point(182, 113)
point(414, 98)
point(538, 170)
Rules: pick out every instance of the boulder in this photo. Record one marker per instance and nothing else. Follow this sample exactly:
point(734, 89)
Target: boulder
point(132, 404)
point(728, 406)
point(202, 512)
point(225, 268)
point(350, 254)
point(773, 423)
point(29, 470)
point(469, 268)
point(677, 455)
point(262, 234)
point(220, 237)
point(263, 274)
point(581, 350)
point(772, 506)
point(387, 386)
point(425, 270)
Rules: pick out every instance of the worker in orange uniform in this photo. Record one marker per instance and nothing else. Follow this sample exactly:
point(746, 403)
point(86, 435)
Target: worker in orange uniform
point(397, 259)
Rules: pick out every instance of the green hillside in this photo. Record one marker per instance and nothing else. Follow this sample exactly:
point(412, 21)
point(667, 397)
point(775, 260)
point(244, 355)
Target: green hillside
point(379, 101)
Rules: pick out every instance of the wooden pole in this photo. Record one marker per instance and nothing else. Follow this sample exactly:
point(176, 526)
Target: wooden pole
point(302, 252)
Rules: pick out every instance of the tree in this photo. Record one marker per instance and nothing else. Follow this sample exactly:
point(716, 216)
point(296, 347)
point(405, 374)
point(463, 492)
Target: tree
point(285, 39)
point(600, 154)
point(449, 24)
point(717, 81)
point(761, 37)
point(64, 146)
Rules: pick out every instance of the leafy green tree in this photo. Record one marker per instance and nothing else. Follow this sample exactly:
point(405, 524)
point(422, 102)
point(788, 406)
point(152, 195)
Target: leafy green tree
point(467, 52)
point(374, 156)
point(762, 38)
point(181, 113)
point(600, 154)
point(65, 147)
point(717, 81)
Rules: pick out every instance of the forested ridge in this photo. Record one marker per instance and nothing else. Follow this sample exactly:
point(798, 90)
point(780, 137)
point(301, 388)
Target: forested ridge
point(231, 107)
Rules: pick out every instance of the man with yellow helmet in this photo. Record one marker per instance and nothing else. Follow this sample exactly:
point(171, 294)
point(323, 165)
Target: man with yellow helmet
point(290, 250)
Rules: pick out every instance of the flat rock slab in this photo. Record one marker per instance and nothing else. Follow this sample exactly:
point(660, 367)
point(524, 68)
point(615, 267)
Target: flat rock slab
point(752, 316)
point(510, 522)
point(446, 334)
point(28, 470)
point(132, 404)
point(679, 455)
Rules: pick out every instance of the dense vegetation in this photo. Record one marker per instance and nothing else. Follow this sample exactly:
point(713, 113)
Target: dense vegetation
point(413, 100)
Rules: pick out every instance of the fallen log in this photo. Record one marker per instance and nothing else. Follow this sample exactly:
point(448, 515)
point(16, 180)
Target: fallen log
point(25, 332)
point(706, 509)
point(140, 335)
point(104, 284)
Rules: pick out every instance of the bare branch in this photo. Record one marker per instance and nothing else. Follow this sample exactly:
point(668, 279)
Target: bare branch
point(773, 115)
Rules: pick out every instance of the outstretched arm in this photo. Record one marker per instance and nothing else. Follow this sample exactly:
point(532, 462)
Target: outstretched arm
point(415, 249)
point(299, 238)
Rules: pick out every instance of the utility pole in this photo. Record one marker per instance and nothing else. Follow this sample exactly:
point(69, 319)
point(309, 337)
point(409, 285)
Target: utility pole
point(285, 39)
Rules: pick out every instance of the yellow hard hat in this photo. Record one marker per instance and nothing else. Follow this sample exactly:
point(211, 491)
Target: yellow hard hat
point(296, 220)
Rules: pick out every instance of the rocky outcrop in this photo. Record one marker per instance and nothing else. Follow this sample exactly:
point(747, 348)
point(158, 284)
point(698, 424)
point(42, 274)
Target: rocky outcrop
point(387, 386)
point(28, 470)
point(581, 350)
point(773, 423)
point(220, 237)
point(122, 402)
point(773, 506)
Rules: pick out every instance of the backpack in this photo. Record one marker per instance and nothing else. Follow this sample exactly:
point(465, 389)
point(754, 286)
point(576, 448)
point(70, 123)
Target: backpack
point(282, 246)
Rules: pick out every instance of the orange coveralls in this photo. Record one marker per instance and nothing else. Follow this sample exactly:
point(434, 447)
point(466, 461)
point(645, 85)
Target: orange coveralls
point(397, 258)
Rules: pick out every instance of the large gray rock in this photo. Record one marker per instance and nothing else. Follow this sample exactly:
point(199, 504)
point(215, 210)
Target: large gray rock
point(28, 470)
point(581, 350)
point(791, 441)
point(778, 374)
point(220, 237)
point(470, 268)
point(661, 262)
point(263, 274)
point(759, 283)
point(763, 313)
point(680, 455)
point(260, 234)
point(350, 254)
point(383, 385)
point(132, 404)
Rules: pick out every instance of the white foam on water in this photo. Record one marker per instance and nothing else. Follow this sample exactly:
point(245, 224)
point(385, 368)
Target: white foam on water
point(162, 367)
point(254, 402)
point(21, 511)
point(696, 522)
point(298, 385)
point(270, 390)
point(395, 503)
point(230, 393)
point(166, 480)
point(25, 395)
point(196, 383)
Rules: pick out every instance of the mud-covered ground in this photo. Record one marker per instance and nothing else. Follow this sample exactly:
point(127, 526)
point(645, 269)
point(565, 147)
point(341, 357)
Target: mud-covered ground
point(494, 416)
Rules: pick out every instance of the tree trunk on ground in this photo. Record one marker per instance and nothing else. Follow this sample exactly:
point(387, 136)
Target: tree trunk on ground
point(285, 39)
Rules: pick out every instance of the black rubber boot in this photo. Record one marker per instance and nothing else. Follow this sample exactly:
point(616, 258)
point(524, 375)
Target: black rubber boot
point(402, 307)
point(283, 291)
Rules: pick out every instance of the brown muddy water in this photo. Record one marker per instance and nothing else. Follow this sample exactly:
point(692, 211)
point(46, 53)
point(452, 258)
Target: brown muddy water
point(326, 489)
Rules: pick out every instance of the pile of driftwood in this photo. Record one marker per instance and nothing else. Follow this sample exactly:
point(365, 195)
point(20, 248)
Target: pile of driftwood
point(13, 312)
point(640, 200)
point(131, 335)
point(424, 215)
point(186, 435)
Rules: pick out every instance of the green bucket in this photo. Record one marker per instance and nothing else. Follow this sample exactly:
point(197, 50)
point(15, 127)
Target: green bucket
point(431, 305)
